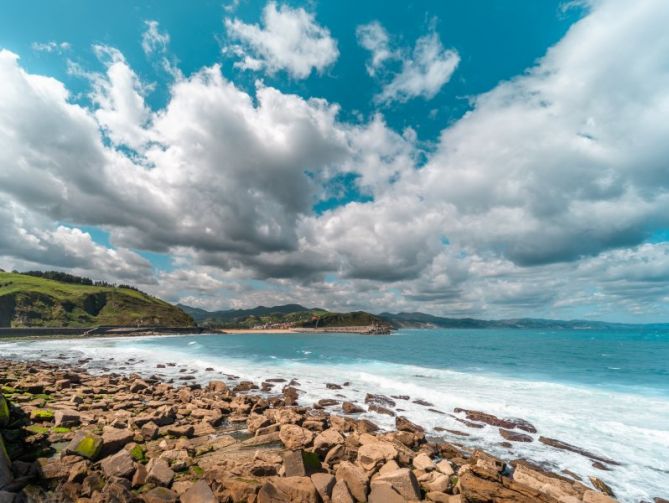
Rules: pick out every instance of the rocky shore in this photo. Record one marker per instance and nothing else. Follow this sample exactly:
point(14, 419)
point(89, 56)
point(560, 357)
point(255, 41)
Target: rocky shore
point(69, 436)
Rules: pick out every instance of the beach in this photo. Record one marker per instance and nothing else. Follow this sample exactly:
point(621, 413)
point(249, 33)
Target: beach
point(602, 421)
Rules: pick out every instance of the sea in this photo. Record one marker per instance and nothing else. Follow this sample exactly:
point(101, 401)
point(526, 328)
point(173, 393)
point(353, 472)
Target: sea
point(603, 391)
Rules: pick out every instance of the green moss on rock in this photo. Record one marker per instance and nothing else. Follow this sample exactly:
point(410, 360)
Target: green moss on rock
point(4, 411)
point(138, 453)
point(43, 415)
point(86, 445)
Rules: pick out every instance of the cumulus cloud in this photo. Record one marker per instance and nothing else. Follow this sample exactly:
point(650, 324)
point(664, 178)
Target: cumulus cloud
point(290, 40)
point(540, 199)
point(424, 70)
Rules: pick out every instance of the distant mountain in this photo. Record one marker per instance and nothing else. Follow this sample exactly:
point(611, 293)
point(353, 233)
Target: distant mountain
point(289, 315)
point(422, 320)
point(55, 299)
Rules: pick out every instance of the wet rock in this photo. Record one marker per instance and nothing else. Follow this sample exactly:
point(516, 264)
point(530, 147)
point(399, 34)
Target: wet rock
point(514, 436)
point(508, 423)
point(332, 386)
point(558, 444)
point(351, 408)
point(328, 402)
point(424, 403)
point(200, 492)
point(380, 410)
point(118, 465)
point(403, 424)
point(379, 400)
point(601, 486)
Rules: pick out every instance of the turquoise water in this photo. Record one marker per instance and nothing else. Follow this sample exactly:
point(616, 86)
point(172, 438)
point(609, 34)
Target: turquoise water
point(607, 392)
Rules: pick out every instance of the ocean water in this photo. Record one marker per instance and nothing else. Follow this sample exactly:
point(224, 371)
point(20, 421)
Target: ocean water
point(607, 392)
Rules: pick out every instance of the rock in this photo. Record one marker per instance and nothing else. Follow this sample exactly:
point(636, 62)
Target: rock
point(554, 486)
point(601, 486)
point(558, 444)
point(404, 482)
point(181, 431)
point(295, 437)
point(355, 479)
point(160, 495)
point(380, 410)
point(289, 489)
point(351, 408)
point(375, 454)
point(379, 400)
point(114, 439)
point(514, 437)
point(67, 418)
point(383, 492)
point(366, 426)
point(255, 422)
point(200, 492)
point(86, 445)
point(159, 472)
point(150, 430)
point(332, 386)
point(324, 484)
point(445, 467)
point(403, 424)
point(293, 464)
point(390, 466)
point(6, 475)
point(597, 497)
point(439, 497)
point(327, 439)
point(4, 411)
point(341, 494)
point(78, 471)
point(7, 497)
point(423, 462)
point(41, 415)
point(508, 423)
point(328, 402)
point(140, 476)
point(439, 483)
point(118, 465)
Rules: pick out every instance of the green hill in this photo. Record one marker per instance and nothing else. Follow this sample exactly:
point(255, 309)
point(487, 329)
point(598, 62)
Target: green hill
point(27, 300)
point(290, 315)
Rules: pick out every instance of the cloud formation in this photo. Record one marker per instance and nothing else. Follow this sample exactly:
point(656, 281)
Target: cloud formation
point(425, 69)
point(540, 199)
point(290, 40)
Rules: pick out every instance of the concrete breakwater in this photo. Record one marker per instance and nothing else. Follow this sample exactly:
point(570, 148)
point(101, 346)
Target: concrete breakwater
point(95, 331)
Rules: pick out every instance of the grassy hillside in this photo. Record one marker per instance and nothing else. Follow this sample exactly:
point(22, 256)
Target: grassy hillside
point(29, 301)
point(290, 315)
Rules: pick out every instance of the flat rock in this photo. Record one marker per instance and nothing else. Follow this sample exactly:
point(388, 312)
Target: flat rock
point(200, 492)
point(118, 465)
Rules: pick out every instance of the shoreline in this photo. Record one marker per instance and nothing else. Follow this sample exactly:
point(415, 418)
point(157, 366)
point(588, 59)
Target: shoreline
point(271, 430)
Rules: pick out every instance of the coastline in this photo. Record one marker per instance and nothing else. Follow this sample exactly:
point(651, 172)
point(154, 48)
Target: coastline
point(232, 431)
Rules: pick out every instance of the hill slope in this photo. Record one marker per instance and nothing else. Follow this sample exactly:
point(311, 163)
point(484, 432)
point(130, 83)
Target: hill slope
point(289, 315)
point(29, 301)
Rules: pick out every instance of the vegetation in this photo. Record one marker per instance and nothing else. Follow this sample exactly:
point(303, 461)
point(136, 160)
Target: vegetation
point(40, 300)
point(287, 316)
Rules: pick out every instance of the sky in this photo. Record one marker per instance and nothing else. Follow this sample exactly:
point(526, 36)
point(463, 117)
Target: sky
point(485, 158)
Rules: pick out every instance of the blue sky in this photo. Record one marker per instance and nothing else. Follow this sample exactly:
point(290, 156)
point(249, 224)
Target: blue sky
point(450, 157)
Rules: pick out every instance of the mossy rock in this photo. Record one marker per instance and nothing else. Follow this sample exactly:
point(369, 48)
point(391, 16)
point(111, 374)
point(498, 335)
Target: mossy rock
point(138, 453)
point(7, 390)
point(197, 471)
point(61, 429)
point(3, 449)
point(4, 411)
point(86, 445)
point(33, 428)
point(42, 415)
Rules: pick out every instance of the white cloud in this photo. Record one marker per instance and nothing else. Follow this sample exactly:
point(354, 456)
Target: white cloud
point(424, 70)
point(153, 40)
point(290, 39)
point(51, 46)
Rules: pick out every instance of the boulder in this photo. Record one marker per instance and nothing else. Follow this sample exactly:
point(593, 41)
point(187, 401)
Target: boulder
point(351, 408)
point(597, 497)
point(554, 486)
point(403, 481)
point(159, 472)
point(67, 418)
point(508, 423)
point(295, 437)
point(114, 439)
point(601, 486)
point(514, 436)
point(86, 445)
point(355, 479)
point(118, 465)
point(375, 454)
point(4, 411)
point(403, 424)
point(423, 462)
point(324, 483)
point(200, 492)
point(6, 475)
point(327, 439)
point(341, 494)
point(186, 430)
point(445, 467)
point(289, 489)
point(383, 492)
point(150, 430)
point(160, 495)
